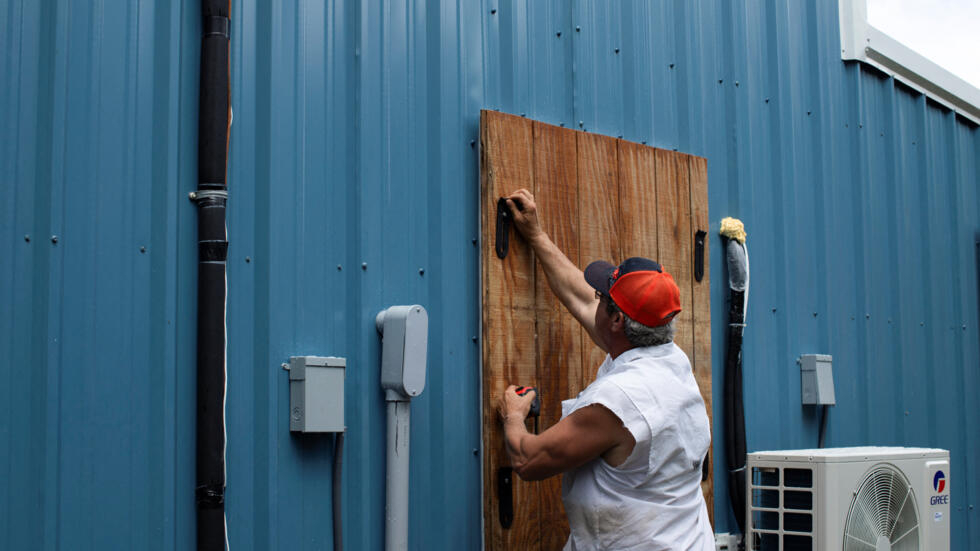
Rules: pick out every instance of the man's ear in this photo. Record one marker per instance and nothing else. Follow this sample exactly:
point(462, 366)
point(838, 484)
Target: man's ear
point(619, 321)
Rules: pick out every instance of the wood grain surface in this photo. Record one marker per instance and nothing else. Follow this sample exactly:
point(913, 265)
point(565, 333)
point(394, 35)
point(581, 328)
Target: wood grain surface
point(598, 198)
point(701, 307)
point(508, 321)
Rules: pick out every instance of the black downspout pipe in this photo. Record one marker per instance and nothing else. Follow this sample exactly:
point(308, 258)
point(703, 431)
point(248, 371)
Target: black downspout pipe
point(735, 452)
point(213, 131)
point(734, 408)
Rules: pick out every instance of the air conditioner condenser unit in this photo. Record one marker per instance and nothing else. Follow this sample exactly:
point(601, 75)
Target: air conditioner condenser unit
point(850, 499)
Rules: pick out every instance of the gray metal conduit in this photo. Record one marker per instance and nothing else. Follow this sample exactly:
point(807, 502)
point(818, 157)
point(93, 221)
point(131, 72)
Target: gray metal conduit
point(404, 335)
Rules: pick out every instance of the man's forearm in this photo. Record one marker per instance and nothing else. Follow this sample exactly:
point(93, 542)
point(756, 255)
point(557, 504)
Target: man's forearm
point(514, 431)
point(564, 278)
point(515, 442)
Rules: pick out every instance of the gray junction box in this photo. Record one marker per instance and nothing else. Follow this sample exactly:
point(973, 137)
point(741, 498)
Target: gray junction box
point(316, 394)
point(817, 382)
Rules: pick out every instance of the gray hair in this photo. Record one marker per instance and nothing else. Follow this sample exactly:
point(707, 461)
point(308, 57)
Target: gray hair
point(639, 334)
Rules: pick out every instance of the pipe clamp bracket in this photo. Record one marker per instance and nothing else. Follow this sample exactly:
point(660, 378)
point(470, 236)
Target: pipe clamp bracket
point(216, 25)
point(204, 194)
point(210, 496)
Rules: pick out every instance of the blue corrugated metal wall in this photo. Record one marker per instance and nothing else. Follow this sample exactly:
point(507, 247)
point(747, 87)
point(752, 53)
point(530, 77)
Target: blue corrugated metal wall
point(354, 177)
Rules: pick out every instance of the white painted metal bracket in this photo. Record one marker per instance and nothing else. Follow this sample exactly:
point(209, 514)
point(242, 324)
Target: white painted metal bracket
point(862, 42)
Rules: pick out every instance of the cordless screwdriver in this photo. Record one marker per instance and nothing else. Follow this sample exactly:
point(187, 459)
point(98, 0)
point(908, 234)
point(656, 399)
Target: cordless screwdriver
point(535, 403)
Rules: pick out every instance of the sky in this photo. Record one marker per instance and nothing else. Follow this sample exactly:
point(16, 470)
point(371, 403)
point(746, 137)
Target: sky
point(945, 31)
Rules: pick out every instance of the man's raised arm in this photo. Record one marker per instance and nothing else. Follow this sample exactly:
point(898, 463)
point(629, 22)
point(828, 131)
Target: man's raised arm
point(566, 280)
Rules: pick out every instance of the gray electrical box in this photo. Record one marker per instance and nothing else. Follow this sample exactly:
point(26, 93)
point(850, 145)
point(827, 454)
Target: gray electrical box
point(316, 394)
point(404, 337)
point(817, 379)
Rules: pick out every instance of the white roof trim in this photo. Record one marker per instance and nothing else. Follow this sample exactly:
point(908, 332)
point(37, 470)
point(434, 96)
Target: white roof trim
point(863, 42)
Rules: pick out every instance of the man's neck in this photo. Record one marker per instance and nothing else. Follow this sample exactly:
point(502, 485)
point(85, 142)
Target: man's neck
point(618, 348)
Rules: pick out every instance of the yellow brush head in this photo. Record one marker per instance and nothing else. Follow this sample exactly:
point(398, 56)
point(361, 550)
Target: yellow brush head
point(733, 228)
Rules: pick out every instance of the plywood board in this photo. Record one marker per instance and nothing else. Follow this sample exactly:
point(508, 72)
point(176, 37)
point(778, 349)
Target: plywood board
point(701, 306)
point(599, 208)
point(598, 198)
point(559, 355)
point(508, 320)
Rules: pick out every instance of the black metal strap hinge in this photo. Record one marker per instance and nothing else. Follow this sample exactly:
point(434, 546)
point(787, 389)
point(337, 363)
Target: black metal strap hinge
point(505, 496)
point(699, 254)
point(503, 228)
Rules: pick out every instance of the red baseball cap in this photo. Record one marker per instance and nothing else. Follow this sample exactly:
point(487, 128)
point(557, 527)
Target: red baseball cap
point(640, 287)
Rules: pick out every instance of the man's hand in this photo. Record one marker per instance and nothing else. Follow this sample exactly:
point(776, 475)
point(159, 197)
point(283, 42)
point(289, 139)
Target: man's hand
point(512, 406)
point(525, 213)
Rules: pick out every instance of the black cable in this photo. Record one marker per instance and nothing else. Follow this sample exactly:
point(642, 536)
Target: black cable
point(734, 408)
point(823, 425)
point(211, 196)
point(338, 471)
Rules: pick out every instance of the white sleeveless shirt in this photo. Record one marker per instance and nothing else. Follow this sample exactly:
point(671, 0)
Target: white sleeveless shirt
point(653, 500)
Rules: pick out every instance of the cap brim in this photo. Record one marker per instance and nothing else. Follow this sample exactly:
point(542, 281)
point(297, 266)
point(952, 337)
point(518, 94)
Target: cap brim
point(597, 275)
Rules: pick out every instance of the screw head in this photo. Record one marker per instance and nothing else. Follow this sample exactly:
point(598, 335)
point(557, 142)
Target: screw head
point(578, 29)
point(142, 249)
point(27, 238)
point(339, 267)
point(421, 271)
point(248, 259)
point(616, 50)
point(493, 11)
point(558, 34)
point(54, 238)
point(364, 265)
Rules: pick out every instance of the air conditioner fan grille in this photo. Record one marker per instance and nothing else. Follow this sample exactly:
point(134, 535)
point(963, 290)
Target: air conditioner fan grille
point(882, 514)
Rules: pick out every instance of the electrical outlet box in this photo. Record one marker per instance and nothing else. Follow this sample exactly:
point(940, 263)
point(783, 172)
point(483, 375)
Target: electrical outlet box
point(404, 345)
point(727, 542)
point(316, 394)
point(817, 383)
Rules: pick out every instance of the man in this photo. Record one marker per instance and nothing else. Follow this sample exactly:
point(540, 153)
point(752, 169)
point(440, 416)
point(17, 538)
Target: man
point(631, 445)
